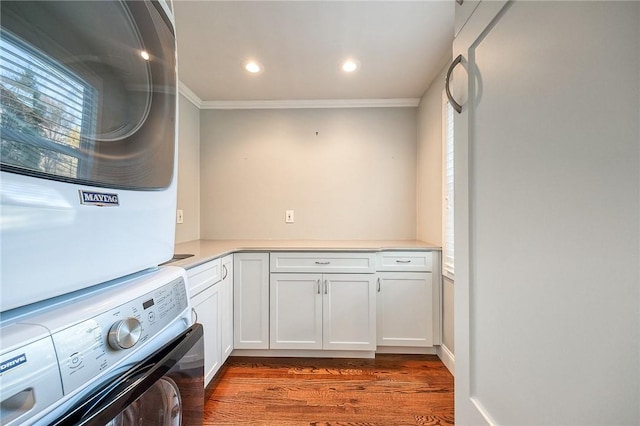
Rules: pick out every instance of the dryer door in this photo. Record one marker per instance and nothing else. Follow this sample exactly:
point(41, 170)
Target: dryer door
point(88, 92)
point(171, 379)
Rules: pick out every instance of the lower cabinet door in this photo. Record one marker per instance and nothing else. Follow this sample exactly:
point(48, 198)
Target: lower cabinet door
point(251, 300)
point(207, 306)
point(296, 311)
point(226, 307)
point(349, 311)
point(323, 311)
point(405, 309)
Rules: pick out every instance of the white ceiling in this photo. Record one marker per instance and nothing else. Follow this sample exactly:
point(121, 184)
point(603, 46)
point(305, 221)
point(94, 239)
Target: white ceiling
point(401, 46)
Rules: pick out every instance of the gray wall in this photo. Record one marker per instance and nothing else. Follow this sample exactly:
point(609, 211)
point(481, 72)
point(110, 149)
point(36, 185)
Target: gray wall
point(188, 170)
point(429, 163)
point(354, 179)
point(429, 186)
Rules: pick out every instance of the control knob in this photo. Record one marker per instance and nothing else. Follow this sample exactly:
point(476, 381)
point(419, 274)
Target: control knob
point(125, 333)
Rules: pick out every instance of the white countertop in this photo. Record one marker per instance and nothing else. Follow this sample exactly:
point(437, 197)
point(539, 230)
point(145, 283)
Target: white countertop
point(205, 250)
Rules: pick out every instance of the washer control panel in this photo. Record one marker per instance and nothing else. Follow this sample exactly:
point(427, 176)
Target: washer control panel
point(90, 347)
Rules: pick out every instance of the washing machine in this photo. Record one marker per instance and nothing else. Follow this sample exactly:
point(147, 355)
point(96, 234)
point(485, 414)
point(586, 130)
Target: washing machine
point(127, 352)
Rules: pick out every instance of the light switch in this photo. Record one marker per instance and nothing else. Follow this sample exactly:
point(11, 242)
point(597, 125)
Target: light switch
point(180, 216)
point(288, 216)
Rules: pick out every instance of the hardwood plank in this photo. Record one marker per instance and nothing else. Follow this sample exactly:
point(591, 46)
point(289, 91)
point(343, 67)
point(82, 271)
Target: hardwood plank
point(387, 390)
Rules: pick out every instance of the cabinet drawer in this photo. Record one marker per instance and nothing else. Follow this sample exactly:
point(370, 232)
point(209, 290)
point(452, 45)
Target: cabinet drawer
point(413, 261)
point(343, 263)
point(203, 276)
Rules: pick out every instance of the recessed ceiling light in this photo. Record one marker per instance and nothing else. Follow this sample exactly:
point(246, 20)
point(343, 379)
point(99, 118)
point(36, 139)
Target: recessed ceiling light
point(253, 67)
point(349, 65)
point(144, 55)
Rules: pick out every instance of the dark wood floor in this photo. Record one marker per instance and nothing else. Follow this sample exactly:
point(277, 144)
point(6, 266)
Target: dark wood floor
point(390, 390)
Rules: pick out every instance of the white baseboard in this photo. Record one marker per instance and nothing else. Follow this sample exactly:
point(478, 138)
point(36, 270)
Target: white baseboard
point(302, 353)
point(447, 358)
point(445, 355)
point(406, 350)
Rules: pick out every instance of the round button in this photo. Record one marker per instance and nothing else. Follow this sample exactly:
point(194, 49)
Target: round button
point(125, 333)
point(75, 360)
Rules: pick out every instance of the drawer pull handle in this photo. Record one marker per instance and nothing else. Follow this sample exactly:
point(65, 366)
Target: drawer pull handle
point(323, 263)
point(326, 287)
point(226, 272)
point(318, 286)
point(378, 284)
point(403, 261)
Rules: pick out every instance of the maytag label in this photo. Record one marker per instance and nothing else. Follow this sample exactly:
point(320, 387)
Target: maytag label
point(98, 198)
point(14, 362)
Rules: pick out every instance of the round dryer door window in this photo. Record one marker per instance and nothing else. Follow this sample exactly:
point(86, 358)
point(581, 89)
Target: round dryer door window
point(88, 92)
point(160, 405)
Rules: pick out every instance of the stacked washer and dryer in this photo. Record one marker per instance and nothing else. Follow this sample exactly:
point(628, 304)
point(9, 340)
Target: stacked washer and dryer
point(92, 330)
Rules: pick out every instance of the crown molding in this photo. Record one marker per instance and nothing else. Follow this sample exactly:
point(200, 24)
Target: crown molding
point(297, 104)
point(188, 93)
point(317, 103)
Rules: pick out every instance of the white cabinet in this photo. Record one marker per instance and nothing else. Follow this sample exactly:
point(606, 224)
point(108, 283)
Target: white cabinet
point(323, 300)
point(251, 300)
point(203, 276)
point(349, 312)
point(405, 261)
point(226, 307)
point(323, 262)
point(408, 300)
point(205, 290)
point(207, 307)
point(296, 311)
point(323, 311)
point(405, 309)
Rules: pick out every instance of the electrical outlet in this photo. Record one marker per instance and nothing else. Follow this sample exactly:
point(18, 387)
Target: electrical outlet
point(288, 216)
point(180, 216)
